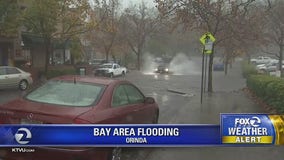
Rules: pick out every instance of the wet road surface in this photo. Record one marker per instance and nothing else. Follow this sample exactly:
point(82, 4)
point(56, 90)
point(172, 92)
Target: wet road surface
point(177, 108)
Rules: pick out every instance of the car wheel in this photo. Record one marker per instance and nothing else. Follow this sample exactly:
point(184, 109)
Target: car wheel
point(111, 75)
point(23, 85)
point(123, 74)
point(115, 154)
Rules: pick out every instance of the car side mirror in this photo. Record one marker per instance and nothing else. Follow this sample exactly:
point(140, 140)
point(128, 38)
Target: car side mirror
point(149, 100)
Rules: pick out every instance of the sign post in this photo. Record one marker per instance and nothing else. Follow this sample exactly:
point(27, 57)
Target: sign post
point(202, 75)
point(207, 41)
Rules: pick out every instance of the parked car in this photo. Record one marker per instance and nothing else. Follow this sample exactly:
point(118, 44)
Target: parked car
point(261, 66)
point(13, 77)
point(80, 100)
point(110, 70)
point(269, 67)
point(273, 67)
point(263, 60)
point(97, 62)
point(218, 67)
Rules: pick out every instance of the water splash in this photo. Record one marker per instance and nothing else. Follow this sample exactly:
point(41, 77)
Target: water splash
point(179, 65)
point(148, 64)
point(182, 65)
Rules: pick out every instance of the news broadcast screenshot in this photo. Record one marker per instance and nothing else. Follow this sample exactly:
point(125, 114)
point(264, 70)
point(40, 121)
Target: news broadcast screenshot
point(141, 79)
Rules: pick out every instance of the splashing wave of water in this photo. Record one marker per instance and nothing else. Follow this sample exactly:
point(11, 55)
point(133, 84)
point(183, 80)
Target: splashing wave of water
point(179, 65)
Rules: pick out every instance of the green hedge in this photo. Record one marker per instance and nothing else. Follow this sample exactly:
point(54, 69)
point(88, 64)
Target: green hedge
point(248, 69)
point(268, 88)
point(55, 73)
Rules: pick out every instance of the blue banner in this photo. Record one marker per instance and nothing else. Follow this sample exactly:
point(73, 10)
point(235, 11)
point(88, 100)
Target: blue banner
point(109, 135)
point(234, 129)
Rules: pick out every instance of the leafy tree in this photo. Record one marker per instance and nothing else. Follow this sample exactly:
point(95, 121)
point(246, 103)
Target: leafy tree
point(76, 50)
point(10, 18)
point(56, 19)
point(73, 20)
point(105, 35)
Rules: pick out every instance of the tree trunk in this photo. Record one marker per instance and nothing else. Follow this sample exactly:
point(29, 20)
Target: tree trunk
point(226, 62)
point(52, 59)
point(138, 60)
point(107, 56)
point(210, 72)
point(280, 61)
point(47, 54)
point(226, 67)
point(113, 57)
point(249, 57)
point(64, 53)
point(72, 59)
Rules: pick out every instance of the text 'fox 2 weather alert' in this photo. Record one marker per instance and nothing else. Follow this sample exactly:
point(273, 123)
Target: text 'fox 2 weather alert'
point(252, 129)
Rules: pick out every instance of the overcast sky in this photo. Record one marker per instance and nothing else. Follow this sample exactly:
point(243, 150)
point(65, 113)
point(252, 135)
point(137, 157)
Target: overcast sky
point(126, 3)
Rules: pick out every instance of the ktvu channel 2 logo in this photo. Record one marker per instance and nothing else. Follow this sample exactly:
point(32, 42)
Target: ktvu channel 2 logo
point(23, 136)
point(246, 129)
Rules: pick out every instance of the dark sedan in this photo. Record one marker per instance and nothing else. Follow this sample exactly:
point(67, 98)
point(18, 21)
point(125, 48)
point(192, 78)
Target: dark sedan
point(218, 67)
point(162, 68)
point(79, 100)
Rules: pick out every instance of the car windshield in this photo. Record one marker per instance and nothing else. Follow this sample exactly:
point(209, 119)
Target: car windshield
point(75, 94)
point(106, 66)
point(161, 66)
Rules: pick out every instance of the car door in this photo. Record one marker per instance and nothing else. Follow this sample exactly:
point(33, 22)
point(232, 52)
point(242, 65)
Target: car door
point(122, 111)
point(128, 109)
point(143, 112)
point(4, 81)
point(14, 76)
point(118, 69)
point(115, 69)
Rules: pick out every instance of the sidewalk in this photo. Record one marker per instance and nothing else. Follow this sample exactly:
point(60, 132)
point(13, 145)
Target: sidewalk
point(228, 97)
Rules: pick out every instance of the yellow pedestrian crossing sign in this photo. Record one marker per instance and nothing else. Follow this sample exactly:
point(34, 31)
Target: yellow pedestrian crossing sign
point(206, 38)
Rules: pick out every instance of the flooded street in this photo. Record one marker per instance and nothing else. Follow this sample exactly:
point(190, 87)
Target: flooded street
point(183, 107)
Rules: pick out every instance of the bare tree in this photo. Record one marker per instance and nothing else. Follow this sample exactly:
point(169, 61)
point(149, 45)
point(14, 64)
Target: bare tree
point(205, 16)
point(245, 26)
point(139, 23)
point(105, 34)
point(274, 32)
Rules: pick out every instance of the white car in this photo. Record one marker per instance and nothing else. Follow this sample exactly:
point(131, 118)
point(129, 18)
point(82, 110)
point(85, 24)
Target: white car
point(261, 67)
point(13, 77)
point(273, 67)
point(110, 69)
point(262, 60)
point(269, 67)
